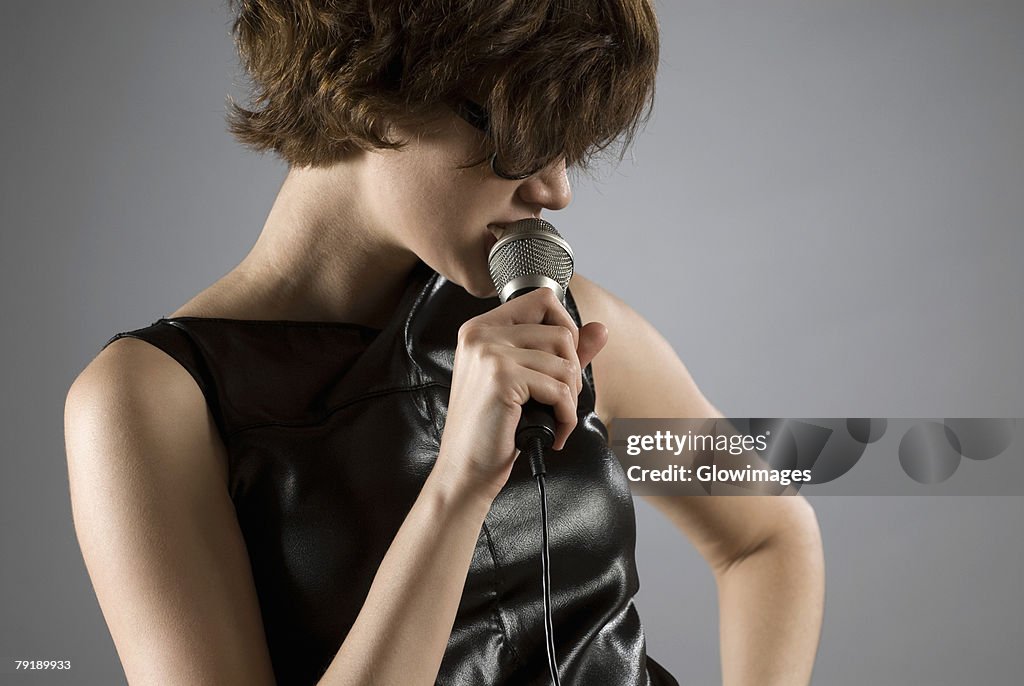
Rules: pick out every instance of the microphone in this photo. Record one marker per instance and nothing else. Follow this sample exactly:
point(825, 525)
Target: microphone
point(531, 254)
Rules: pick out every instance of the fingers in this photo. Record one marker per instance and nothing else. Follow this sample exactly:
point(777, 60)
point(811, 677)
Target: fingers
point(593, 337)
point(539, 306)
point(557, 394)
point(556, 340)
point(548, 352)
point(555, 366)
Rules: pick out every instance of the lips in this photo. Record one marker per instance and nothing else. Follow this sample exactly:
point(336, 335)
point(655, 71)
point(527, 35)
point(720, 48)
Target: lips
point(498, 228)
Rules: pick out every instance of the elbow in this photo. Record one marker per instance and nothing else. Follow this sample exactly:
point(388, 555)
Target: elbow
point(800, 529)
point(794, 540)
point(801, 540)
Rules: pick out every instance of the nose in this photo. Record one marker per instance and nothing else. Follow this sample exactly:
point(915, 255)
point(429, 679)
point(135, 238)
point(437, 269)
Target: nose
point(548, 188)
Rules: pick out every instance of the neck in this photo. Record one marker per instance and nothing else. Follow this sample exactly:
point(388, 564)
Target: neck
point(322, 256)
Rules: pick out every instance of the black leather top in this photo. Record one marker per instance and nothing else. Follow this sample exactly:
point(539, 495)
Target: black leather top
point(331, 429)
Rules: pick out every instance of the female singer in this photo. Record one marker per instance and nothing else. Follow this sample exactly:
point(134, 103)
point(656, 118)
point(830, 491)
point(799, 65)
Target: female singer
point(306, 474)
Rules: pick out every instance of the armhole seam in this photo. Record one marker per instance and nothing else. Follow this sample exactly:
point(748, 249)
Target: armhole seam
point(208, 385)
point(205, 386)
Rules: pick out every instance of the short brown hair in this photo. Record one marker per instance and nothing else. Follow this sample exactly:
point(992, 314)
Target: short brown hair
point(557, 76)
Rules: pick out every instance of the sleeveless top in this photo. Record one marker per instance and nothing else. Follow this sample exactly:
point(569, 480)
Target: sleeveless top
point(331, 429)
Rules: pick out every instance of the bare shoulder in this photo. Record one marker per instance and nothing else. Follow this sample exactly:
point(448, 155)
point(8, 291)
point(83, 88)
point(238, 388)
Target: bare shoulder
point(638, 373)
point(134, 386)
point(155, 522)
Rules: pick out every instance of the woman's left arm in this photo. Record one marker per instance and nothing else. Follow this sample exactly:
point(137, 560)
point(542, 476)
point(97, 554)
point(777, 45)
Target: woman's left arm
point(765, 551)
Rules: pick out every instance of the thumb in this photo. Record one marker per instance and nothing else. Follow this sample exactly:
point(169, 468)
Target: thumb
point(593, 337)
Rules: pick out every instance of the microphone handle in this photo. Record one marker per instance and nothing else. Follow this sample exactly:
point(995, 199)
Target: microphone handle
point(537, 422)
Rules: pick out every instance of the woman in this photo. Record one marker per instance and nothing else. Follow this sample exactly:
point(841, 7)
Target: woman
point(307, 473)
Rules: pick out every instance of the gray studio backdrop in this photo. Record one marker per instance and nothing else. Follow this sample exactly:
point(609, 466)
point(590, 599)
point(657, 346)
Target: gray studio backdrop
point(824, 217)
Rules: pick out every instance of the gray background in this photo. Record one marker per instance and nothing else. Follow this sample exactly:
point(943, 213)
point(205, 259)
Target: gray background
point(824, 217)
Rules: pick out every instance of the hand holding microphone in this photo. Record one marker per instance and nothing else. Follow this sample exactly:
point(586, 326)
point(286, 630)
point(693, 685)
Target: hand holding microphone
point(527, 348)
point(532, 255)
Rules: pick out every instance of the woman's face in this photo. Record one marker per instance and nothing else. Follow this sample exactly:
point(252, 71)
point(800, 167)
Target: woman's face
point(448, 216)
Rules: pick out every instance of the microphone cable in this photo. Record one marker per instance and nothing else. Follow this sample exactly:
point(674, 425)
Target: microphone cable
point(535, 448)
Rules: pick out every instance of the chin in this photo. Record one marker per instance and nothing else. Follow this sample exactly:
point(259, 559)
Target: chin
point(485, 291)
point(477, 285)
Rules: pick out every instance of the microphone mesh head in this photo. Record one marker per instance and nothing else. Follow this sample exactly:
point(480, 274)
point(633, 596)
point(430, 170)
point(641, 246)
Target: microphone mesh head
point(528, 247)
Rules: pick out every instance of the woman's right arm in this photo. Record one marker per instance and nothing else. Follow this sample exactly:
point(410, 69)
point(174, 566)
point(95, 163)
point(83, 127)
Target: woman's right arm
point(158, 532)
